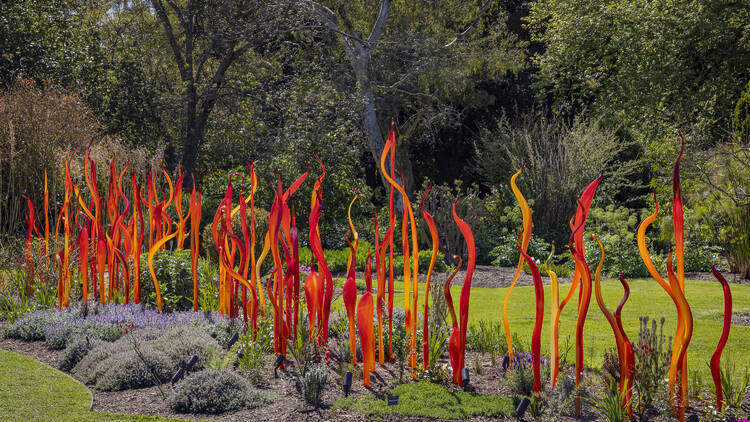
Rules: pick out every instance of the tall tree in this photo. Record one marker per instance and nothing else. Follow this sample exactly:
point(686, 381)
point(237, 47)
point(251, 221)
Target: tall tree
point(415, 61)
point(206, 38)
point(653, 65)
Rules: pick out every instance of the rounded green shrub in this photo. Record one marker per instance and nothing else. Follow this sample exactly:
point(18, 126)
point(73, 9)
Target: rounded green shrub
point(174, 272)
point(216, 391)
point(76, 351)
point(143, 358)
point(94, 363)
point(128, 369)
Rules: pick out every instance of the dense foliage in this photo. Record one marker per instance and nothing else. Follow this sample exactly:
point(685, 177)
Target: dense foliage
point(568, 87)
point(216, 391)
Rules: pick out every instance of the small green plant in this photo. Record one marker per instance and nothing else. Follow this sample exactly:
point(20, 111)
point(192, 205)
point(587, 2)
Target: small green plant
point(561, 398)
point(610, 403)
point(253, 353)
point(14, 306)
point(734, 391)
point(522, 377)
point(487, 338)
point(695, 384)
point(208, 293)
point(611, 367)
point(174, 271)
point(536, 406)
point(477, 366)
point(212, 391)
point(401, 341)
point(438, 327)
point(214, 359)
point(313, 383)
point(652, 354)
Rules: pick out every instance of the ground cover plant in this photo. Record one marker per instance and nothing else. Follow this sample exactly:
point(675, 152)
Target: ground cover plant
point(143, 358)
point(216, 391)
point(428, 400)
point(108, 322)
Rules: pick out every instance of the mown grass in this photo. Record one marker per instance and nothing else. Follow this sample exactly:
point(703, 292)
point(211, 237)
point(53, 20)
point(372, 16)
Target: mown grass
point(646, 298)
point(428, 400)
point(32, 391)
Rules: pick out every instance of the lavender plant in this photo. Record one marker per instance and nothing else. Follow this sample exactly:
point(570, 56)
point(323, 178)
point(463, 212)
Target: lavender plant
point(212, 391)
point(108, 322)
point(143, 358)
point(522, 377)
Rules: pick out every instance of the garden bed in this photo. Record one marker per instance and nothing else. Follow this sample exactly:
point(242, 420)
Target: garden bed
point(290, 406)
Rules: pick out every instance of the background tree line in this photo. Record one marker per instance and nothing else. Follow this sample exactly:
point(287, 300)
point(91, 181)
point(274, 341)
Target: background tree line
point(474, 87)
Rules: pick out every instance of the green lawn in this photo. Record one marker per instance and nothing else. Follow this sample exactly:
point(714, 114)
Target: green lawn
point(32, 391)
point(427, 400)
point(646, 298)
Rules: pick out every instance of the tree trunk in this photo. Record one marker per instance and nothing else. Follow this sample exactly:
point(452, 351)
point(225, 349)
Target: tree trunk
point(192, 138)
point(375, 139)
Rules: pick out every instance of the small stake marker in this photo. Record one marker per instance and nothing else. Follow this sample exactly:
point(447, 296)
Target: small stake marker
point(277, 364)
point(347, 383)
point(393, 402)
point(233, 340)
point(521, 409)
point(191, 362)
point(178, 375)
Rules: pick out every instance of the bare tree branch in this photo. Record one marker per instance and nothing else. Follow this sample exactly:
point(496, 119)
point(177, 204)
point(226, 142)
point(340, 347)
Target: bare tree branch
point(463, 33)
point(379, 28)
point(159, 7)
point(178, 12)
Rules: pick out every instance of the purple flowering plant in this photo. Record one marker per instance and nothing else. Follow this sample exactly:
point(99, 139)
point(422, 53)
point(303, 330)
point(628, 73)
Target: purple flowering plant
point(108, 322)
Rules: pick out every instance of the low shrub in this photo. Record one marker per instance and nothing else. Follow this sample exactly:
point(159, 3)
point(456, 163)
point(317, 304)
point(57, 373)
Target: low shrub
point(174, 272)
point(108, 322)
point(313, 383)
point(143, 358)
point(561, 398)
point(608, 403)
point(506, 254)
point(212, 391)
point(252, 362)
point(522, 377)
point(90, 367)
point(487, 337)
point(32, 326)
point(129, 369)
point(652, 356)
point(58, 335)
point(76, 351)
